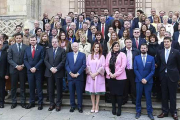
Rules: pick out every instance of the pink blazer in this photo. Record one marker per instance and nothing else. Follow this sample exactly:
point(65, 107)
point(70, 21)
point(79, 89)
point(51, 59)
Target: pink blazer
point(120, 66)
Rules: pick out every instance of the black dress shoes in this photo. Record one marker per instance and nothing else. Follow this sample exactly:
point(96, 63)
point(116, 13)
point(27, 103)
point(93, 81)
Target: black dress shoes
point(138, 115)
point(13, 105)
point(1, 105)
point(162, 115)
point(72, 109)
point(80, 110)
point(30, 105)
point(175, 117)
point(58, 108)
point(23, 105)
point(40, 107)
point(51, 108)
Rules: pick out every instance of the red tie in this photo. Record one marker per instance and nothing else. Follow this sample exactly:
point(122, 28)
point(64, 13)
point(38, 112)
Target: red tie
point(67, 27)
point(33, 52)
point(137, 43)
point(102, 30)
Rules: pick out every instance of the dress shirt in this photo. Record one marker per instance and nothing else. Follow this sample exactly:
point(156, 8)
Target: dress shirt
point(34, 47)
point(18, 46)
point(179, 38)
point(75, 56)
point(145, 56)
point(166, 56)
point(129, 58)
point(55, 50)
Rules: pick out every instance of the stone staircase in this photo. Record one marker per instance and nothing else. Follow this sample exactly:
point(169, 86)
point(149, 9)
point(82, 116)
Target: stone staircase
point(128, 107)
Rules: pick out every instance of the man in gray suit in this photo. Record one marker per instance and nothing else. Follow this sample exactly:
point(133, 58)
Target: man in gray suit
point(17, 69)
point(55, 71)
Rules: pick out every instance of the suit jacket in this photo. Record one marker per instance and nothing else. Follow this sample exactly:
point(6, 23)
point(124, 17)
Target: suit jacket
point(15, 58)
point(135, 52)
point(120, 66)
point(58, 62)
point(174, 45)
point(77, 67)
point(105, 30)
point(37, 61)
point(135, 23)
point(170, 20)
point(4, 70)
point(44, 22)
point(141, 40)
point(176, 35)
point(130, 32)
point(63, 22)
point(142, 71)
point(151, 18)
point(65, 28)
point(92, 23)
point(85, 49)
point(152, 29)
point(172, 65)
point(175, 26)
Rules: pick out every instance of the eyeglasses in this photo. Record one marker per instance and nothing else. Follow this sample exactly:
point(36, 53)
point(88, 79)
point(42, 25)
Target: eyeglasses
point(136, 32)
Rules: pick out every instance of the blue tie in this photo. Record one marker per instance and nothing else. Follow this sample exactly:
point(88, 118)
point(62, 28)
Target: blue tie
point(144, 61)
point(54, 53)
point(167, 55)
point(80, 26)
point(94, 38)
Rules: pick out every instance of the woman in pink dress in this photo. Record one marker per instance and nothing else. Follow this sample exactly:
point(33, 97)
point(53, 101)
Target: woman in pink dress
point(95, 83)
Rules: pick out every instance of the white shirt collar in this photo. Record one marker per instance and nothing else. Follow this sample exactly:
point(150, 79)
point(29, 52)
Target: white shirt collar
point(142, 55)
point(34, 46)
point(128, 49)
point(75, 53)
point(169, 49)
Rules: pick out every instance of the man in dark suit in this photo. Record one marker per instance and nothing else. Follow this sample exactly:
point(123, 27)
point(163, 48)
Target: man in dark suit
point(67, 26)
point(130, 81)
point(79, 24)
point(144, 68)
point(150, 27)
point(136, 19)
point(174, 44)
point(103, 27)
point(17, 69)
point(116, 17)
point(61, 20)
point(137, 41)
point(95, 21)
point(92, 37)
point(170, 14)
point(127, 26)
point(45, 20)
point(153, 13)
point(75, 65)
point(4, 73)
point(33, 59)
point(108, 18)
point(55, 61)
point(176, 34)
point(168, 59)
point(175, 23)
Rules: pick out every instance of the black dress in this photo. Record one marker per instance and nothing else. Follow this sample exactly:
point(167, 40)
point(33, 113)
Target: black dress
point(116, 87)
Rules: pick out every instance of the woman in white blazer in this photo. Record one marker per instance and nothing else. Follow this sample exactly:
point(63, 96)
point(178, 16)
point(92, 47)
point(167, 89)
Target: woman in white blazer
point(84, 46)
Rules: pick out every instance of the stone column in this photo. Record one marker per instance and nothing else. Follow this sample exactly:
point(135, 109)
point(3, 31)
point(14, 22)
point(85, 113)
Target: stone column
point(34, 9)
point(76, 6)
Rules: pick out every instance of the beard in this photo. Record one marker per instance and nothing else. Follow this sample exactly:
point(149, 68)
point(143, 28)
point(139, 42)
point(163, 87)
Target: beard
point(143, 52)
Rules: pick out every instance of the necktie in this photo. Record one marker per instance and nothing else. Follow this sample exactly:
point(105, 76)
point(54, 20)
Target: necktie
point(33, 52)
point(0, 53)
point(94, 37)
point(129, 59)
point(54, 53)
point(67, 27)
point(102, 30)
point(137, 44)
point(19, 47)
point(144, 61)
point(167, 55)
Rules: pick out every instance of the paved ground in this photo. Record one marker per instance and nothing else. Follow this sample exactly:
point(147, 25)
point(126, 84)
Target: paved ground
point(34, 114)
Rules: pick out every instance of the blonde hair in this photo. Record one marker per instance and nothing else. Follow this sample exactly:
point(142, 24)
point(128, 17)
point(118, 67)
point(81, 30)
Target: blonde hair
point(83, 36)
point(77, 34)
point(12, 39)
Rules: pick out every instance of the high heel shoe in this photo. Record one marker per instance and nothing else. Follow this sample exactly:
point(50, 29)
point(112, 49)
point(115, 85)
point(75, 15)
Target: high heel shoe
point(97, 110)
point(92, 111)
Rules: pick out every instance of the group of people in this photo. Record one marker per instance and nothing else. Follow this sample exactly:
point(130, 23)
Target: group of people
point(119, 54)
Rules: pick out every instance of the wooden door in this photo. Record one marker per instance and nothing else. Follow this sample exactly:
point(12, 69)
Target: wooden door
point(123, 6)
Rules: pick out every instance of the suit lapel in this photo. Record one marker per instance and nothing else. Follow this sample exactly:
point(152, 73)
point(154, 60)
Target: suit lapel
point(141, 60)
point(57, 53)
point(77, 57)
point(163, 54)
point(139, 43)
point(170, 55)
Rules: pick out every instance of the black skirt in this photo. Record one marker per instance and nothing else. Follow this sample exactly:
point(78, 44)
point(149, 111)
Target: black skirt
point(116, 87)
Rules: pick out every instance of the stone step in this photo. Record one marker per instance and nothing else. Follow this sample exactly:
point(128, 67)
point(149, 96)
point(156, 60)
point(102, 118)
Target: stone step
point(129, 107)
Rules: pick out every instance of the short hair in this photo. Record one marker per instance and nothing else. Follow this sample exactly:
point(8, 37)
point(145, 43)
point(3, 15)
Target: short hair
point(70, 13)
point(18, 26)
point(168, 38)
point(85, 23)
point(144, 44)
point(32, 36)
point(137, 29)
point(154, 36)
point(93, 12)
point(17, 34)
point(141, 12)
point(106, 9)
point(127, 39)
